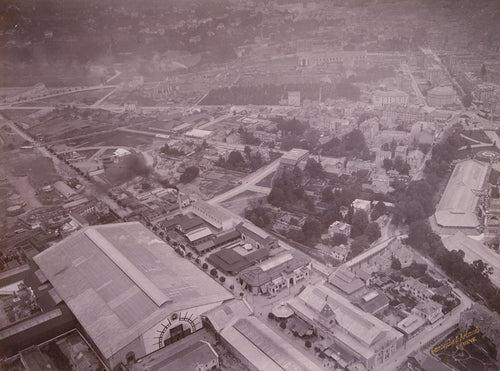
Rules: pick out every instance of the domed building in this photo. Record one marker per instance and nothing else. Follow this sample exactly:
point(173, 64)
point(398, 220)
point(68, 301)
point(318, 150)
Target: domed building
point(441, 96)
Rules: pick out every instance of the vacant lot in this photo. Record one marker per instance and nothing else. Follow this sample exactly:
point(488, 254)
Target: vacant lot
point(67, 123)
point(17, 114)
point(239, 203)
point(116, 138)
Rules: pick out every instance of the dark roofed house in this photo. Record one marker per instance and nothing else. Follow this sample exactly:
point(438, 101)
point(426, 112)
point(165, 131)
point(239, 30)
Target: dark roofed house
point(188, 224)
point(231, 263)
point(183, 223)
point(169, 224)
point(346, 281)
point(204, 247)
point(226, 237)
point(372, 302)
point(443, 290)
point(153, 215)
point(256, 236)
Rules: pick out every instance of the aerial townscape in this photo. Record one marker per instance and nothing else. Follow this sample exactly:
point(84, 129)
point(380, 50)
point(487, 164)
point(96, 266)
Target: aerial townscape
point(250, 185)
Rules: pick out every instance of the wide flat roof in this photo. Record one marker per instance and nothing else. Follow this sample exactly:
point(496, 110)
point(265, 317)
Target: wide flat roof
point(458, 202)
point(253, 230)
point(119, 280)
point(224, 314)
point(214, 211)
point(411, 323)
point(198, 133)
point(230, 260)
point(295, 154)
point(196, 234)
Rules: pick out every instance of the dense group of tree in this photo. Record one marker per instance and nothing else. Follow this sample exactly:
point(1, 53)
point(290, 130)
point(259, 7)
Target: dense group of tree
point(416, 200)
point(288, 191)
point(189, 174)
point(247, 137)
point(271, 94)
point(236, 161)
point(352, 145)
point(314, 169)
point(363, 232)
point(259, 215)
point(297, 134)
point(398, 164)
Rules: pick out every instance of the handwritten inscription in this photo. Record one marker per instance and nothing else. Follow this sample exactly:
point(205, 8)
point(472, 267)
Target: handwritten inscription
point(459, 341)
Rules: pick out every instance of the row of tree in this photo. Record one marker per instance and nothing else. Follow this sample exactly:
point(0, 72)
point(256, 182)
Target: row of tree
point(271, 94)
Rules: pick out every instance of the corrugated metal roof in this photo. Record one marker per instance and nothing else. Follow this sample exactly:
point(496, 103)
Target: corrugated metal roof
point(283, 353)
point(198, 234)
point(109, 282)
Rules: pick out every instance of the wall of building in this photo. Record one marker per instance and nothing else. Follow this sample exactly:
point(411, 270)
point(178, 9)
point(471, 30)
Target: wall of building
point(238, 355)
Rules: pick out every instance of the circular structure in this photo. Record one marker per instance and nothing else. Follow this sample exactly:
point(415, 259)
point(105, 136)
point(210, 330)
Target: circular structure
point(488, 156)
point(441, 96)
point(282, 311)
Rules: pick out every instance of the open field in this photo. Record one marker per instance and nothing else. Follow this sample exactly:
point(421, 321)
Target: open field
point(28, 172)
point(133, 97)
point(67, 123)
point(25, 190)
point(239, 203)
point(218, 181)
point(15, 114)
point(115, 138)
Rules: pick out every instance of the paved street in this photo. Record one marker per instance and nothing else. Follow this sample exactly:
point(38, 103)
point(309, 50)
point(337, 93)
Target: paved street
point(247, 182)
point(493, 137)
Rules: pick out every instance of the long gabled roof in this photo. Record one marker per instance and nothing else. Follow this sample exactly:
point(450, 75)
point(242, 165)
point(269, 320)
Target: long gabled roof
point(119, 280)
point(458, 202)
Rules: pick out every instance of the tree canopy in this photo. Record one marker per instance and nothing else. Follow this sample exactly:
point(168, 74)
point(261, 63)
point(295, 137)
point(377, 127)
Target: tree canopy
point(352, 145)
point(189, 174)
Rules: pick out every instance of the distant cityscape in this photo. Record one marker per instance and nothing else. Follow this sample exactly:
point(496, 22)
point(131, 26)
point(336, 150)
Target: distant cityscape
point(254, 185)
